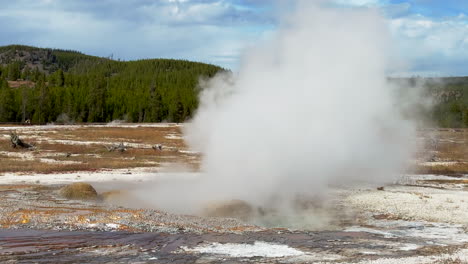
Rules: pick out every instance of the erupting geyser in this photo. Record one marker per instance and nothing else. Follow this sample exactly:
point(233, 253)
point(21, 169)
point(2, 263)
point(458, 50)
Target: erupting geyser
point(309, 107)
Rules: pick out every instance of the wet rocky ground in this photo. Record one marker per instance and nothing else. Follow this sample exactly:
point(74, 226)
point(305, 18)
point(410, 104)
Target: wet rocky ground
point(40, 226)
point(421, 218)
point(25, 245)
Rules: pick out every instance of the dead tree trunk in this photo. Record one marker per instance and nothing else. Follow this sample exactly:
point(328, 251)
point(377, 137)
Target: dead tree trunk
point(121, 148)
point(157, 147)
point(17, 142)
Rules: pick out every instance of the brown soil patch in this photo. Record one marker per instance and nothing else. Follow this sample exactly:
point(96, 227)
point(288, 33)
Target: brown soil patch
point(17, 84)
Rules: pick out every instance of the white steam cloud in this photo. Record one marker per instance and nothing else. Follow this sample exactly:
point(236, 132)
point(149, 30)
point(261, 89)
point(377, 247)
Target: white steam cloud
point(310, 107)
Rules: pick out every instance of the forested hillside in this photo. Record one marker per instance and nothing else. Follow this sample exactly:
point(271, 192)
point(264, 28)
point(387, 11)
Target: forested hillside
point(450, 101)
point(47, 85)
point(443, 101)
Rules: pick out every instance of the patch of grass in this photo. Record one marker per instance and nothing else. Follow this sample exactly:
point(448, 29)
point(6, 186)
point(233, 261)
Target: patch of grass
point(454, 169)
point(69, 148)
point(147, 135)
point(94, 164)
point(448, 145)
point(461, 181)
point(85, 157)
point(453, 151)
point(79, 190)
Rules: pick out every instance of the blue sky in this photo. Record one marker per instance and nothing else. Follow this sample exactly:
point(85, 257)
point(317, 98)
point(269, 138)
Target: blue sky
point(431, 34)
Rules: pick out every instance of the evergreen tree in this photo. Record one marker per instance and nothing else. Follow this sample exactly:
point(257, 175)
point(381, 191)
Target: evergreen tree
point(14, 71)
point(7, 102)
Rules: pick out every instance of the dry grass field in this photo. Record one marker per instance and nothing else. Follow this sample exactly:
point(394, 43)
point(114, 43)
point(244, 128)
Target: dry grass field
point(444, 152)
point(83, 148)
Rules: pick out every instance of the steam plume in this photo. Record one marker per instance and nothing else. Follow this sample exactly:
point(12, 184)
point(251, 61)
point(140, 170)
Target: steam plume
point(309, 107)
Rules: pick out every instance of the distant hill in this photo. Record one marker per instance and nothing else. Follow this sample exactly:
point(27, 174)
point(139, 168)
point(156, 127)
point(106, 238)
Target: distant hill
point(45, 60)
point(52, 85)
point(49, 85)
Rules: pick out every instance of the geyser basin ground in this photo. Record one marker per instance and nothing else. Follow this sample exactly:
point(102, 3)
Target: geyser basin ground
point(422, 218)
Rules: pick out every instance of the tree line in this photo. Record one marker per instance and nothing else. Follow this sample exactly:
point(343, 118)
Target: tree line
point(82, 88)
point(441, 102)
point(68, 86)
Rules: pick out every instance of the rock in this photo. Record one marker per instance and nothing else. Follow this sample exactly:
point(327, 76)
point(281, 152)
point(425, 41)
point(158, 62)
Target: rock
point(79, 191)
point(234, 209)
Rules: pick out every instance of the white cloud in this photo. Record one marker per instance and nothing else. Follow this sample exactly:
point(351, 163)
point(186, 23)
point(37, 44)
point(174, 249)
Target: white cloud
point(185, 12)
point(214, 31)
point(210, 31)
point(359, 2)
point(437, 45)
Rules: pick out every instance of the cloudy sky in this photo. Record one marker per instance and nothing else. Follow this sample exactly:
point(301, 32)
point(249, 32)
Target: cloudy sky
point(431, 34)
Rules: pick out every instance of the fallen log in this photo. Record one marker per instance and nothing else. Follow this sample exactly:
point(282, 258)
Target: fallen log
point(157, 147)
point(17, 142)
point(120, 147)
